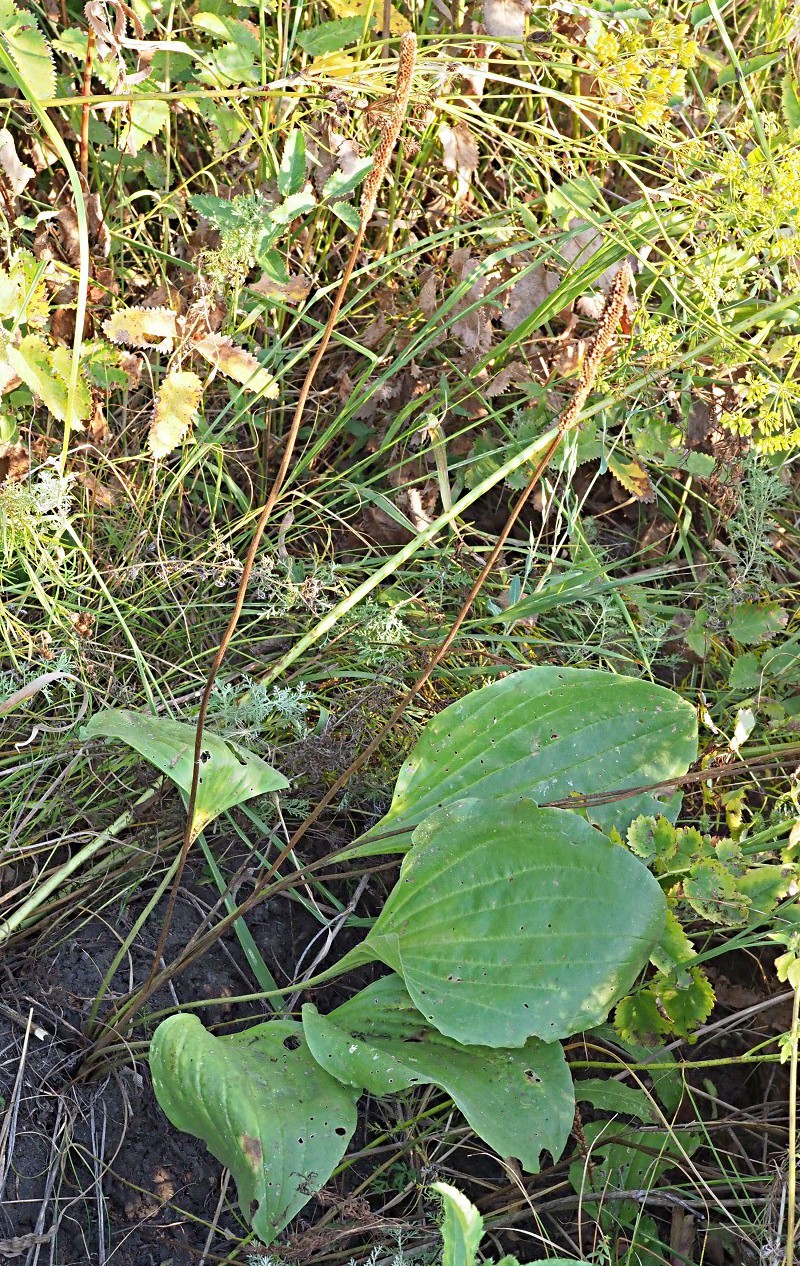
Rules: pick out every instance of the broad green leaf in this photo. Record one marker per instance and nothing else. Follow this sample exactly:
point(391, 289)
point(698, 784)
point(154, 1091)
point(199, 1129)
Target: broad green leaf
point(462, 1226)
point(341, 183)
point(518, 1101)
point(229, 774)
point(330, 37)
point(292, 171)
point(547, 733)
point(615, 1096)
point(624, 1158)
point(667, 1083)
point(261, 1105)
point(510, 922)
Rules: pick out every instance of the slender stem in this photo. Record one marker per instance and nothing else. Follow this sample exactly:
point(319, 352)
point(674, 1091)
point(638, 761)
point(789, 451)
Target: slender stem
point(791, 1186)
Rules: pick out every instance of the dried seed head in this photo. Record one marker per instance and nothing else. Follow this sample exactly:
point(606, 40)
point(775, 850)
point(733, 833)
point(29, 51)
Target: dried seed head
point(391, 129)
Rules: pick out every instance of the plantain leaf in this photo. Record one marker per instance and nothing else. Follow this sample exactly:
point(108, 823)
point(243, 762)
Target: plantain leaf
point(229, 774)
point(546, 733)
point(509, 922)
point(517, 1101)
point(261, 1105)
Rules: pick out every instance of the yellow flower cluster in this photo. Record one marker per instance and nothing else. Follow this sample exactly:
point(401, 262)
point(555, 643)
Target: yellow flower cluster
point(772, 408)
point(645, 69)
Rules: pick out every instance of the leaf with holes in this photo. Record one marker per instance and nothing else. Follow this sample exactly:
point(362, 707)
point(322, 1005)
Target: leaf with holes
point(547, 733)
point(261, 1105)
point(175, 411)
point(518, 1101)
point(509, 922)
point(229, 774)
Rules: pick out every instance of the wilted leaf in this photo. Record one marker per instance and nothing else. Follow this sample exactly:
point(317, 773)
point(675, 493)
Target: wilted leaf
point(16, 173)
point(237, 364)
point(175, 411)
point(505, 19)
point(138, 327)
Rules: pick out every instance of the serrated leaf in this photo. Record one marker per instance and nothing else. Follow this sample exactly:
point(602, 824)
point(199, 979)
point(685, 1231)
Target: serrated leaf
point(713, 892)
point(547, 733)
point(30, 53)
point(175, 411)
point(291, 208)
point(746, 672)
point(688, 1003)
point(146, 120)
point(651, 838)
point(233, 63)
point(509, 922)
point(237, 364)
point(261, 1105)
point(673, 950)
point(229, 773)
point(790, 99)
point(340, 183)
point(330, 37)
point(231, 30)
point(518, 1101)
point(638, 1017)
point(61, 362)
point(139, 327)
point(292, 171)
point(633, 477)
point(754, 622)
point(348, 214)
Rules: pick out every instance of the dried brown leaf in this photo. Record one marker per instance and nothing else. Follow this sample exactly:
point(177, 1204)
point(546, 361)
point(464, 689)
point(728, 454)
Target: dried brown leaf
point(175, 411)
point(428, 301)
point(237, 364)
point(505, 19)
point(460, 154)
point(139, 327)
point(527, 293)
point(292, 291)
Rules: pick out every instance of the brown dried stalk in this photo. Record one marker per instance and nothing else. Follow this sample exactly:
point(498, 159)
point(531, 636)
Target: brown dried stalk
point(372, 185)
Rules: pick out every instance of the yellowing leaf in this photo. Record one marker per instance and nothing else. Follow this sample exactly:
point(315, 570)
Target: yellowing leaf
point(30, 52)
point(176, 407)
point(138, 327)
point(237, 364)
point(633, 477)
point(46, 371)
point(369, 8)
